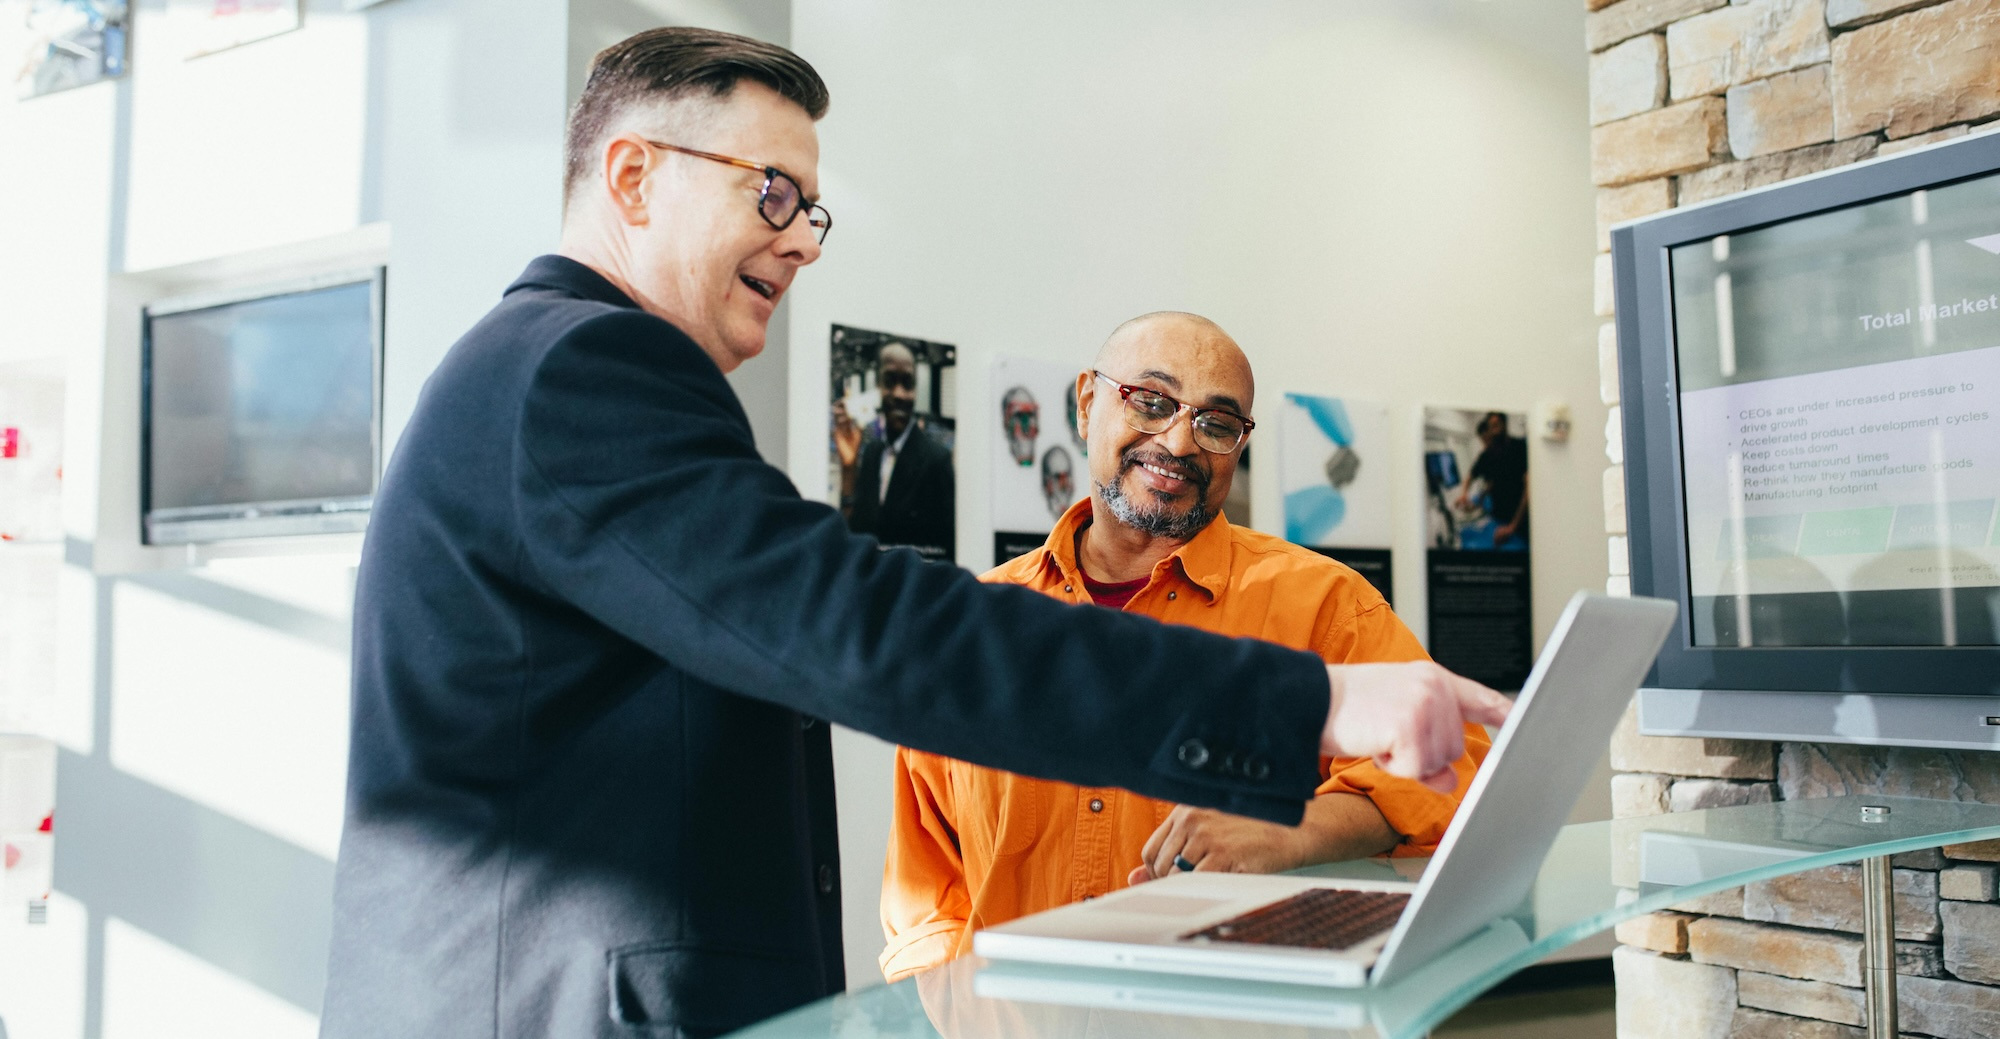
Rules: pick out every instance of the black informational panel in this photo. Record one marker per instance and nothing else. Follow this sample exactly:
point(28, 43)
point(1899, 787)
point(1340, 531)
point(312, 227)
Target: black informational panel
point(1014, 544)
point(1375, 564)
point(1656, 487)
point(1480, 606)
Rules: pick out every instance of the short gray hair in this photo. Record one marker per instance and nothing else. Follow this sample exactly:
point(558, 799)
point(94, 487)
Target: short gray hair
point(672, 63)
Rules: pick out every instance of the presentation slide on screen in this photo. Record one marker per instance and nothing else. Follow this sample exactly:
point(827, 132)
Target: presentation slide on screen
point(1881, 476)
point(1839, 379)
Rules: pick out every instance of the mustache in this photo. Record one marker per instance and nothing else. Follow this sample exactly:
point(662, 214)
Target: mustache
point(1179, 467)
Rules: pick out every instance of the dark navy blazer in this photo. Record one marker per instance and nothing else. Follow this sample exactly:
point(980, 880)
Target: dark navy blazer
point(589, 791)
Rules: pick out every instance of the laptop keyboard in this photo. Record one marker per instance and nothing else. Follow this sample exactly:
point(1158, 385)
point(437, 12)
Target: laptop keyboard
point(1320, 918)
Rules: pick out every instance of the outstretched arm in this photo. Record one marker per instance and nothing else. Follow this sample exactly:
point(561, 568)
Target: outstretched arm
point(682, 539)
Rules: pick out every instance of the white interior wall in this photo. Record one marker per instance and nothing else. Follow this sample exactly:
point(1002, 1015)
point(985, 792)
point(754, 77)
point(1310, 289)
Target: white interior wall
point(179, 699)
point(470, 107)
point(202, 714)
point(215, 165)
point(1379, 201)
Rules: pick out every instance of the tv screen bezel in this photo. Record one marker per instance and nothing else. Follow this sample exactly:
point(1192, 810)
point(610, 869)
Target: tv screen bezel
point(234, 521)
point(1654, 487)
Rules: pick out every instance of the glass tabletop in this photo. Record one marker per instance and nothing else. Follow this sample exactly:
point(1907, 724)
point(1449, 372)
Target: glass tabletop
point(1596, 875)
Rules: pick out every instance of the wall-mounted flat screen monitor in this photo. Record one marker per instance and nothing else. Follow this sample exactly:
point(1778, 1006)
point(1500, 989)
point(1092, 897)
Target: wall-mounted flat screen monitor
point(1811, 382)
point(262, 411)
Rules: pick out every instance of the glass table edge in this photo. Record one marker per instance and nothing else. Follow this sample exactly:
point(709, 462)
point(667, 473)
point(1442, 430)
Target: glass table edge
point(1477, 984)
point(1458, 995)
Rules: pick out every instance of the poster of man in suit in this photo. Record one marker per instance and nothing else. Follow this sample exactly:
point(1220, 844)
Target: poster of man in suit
point(892, 434)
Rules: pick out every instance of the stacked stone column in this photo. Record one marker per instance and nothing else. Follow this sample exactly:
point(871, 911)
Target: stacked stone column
point(1693, 100)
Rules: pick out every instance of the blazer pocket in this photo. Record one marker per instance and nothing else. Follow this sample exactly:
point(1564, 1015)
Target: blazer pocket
point(675, 989)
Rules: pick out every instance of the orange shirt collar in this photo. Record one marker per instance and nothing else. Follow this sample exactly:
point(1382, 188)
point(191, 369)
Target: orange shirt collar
point(1203, 562)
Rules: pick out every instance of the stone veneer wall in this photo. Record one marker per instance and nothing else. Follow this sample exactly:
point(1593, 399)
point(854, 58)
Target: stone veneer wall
point(1691, 100)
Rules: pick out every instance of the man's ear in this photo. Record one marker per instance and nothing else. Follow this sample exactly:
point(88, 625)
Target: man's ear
point(1086, 391)
point(626, 163)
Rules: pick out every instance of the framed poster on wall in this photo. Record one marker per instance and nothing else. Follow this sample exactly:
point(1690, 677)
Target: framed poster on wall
point(1333, 474)
point(1476, 507)
point(892, 436)
point(1039, 466)
point(73, 43)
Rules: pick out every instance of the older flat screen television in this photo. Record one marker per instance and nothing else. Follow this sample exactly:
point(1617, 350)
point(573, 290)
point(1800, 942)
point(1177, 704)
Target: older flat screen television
point(1811, 393)
point(262, 410)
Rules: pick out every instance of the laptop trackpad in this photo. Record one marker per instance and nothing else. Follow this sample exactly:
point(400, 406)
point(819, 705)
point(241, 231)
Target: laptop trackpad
point(1163, 905)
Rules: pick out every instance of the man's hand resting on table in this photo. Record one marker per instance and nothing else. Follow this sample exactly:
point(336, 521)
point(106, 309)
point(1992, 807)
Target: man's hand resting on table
point(1336, 826)
point(1409, 717)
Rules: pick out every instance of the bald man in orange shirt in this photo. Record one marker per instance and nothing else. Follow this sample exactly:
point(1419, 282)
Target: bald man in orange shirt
point(1165, 413)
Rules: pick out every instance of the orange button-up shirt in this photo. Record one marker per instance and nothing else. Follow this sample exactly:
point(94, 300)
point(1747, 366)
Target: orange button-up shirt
point(970, 847)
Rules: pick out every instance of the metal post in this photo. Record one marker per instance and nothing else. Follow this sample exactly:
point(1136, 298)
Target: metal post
point(1878, 935)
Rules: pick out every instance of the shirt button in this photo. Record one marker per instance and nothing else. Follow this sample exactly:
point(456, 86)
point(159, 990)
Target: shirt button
point(825, 879)
point(1194, 754)
point(1257, 768)
point(1068, 588)
point(1173, 595)
point(1096, 804)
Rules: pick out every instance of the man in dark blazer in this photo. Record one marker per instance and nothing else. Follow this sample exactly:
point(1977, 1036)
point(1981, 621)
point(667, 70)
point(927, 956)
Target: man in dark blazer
point(598, 639)
point(918, 507)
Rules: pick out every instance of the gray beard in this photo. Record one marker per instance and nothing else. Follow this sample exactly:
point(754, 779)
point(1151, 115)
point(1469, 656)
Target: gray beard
point(1151, 516)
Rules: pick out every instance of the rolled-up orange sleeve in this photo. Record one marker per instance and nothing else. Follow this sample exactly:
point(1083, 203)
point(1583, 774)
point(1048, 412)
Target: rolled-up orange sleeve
point(925, 903)
point(1420, 814)
point(1412, 809)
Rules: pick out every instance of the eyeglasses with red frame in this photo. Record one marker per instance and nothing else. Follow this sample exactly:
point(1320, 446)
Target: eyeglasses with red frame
point(1216, 430)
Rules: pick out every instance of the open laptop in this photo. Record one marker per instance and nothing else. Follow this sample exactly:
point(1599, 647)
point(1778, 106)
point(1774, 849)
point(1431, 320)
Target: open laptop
point(1347, 933)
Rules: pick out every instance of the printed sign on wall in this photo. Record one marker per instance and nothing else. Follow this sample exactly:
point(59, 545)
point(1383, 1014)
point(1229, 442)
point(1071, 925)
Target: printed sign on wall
point(1334, 476)
point(72, 43)
point(1038, 463)
point(1476, 506)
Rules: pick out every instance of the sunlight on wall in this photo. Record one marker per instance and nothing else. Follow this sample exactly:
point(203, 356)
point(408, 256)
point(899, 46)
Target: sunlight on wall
point(247, 720)
point(319, 584)
point(55, 173)
point(155, 991)
point(74, 705)
point(219, 168)
point(30, 577)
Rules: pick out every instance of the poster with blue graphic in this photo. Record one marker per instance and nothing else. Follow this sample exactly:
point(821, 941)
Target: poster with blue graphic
point(1334, 474)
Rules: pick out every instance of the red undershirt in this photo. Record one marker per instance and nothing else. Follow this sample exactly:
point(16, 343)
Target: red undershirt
point(1114, 596)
